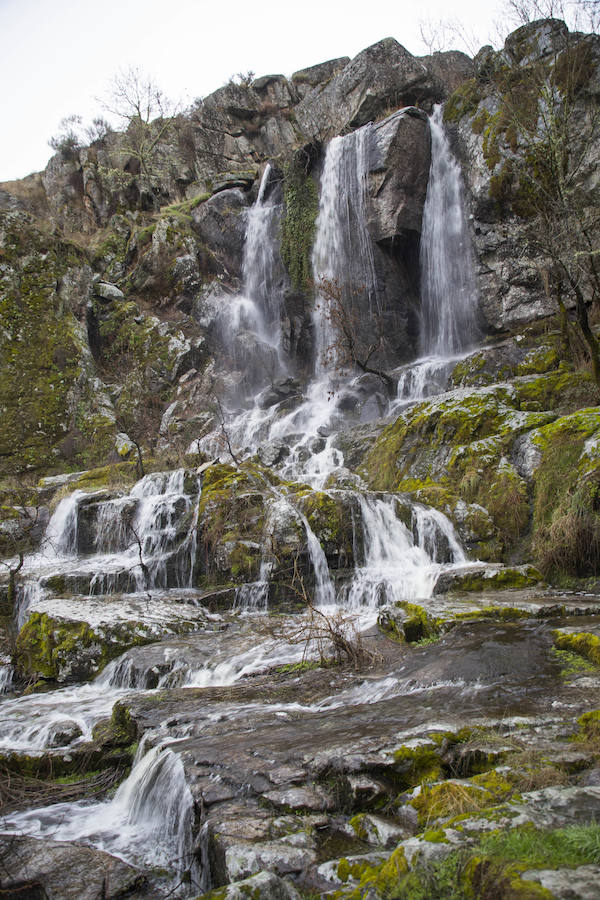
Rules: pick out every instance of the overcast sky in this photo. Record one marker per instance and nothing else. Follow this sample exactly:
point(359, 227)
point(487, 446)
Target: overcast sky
point(59, 55)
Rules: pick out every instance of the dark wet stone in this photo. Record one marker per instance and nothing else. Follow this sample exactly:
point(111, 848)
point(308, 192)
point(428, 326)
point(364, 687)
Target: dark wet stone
point(66, 870)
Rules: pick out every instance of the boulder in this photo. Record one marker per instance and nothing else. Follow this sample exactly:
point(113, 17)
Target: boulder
point(221, 223)
point(44, 868)
point(383, 75)
point(305, 79)
point(398, 174)
point(108, 292)
point(264, 885)
point(449, 69)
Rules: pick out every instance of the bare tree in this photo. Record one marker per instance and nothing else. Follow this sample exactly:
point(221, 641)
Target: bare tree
point(147, 117)
point(580, 15)
point(74, 134)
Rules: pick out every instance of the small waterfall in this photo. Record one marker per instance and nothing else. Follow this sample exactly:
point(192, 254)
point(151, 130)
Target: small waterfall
point(149, 821)
point(113, 526)
point(6, 676)
point(254, 595)
point(60, 538)
point(449, 292)
point(160, 542)
point(342, 251)
point(400, 563)
point(27, 594)
point(324, 589)
point(435, 534)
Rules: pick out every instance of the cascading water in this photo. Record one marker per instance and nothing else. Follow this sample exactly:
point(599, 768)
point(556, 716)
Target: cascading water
point(146, 540)
point(448, 283)
point(249, 323)
point(262, 269)
point(148, 821)
point(448, 286)
point(342, 253)
point(400, 563)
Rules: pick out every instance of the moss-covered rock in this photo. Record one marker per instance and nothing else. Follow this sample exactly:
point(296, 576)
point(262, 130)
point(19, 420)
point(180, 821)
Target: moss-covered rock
point(583, 643)
point(487, 578)
point(298, 226)
point(54, 648)
point(43, 375)
point(118, 731)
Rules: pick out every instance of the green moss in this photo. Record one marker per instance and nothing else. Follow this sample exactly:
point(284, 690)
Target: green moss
point(571, 663)
point(584, 644)
point(504, 579)
point(469, 370)
point(560, 390)
point(185, 207)
point(416, 765)
point(118, 731)
point(298, 226)
point(539, 360)
point(444, 437)
point(463, 102)
point(379, 881)
point(292, 668)
point(40, 361)
point(418, 624)
point(357, 824)
point(43, 641)
point(480, 121)
point(48, 648)
point(589, 725)
point(499, 787)
point(113, 475)
point(435, 836)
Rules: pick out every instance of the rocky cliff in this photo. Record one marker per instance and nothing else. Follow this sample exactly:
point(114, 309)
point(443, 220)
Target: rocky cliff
point(266, 389)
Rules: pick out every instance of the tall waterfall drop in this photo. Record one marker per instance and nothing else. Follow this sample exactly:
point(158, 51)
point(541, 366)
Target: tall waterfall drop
point(342, 252)
point(448, 286)
point(262, 267)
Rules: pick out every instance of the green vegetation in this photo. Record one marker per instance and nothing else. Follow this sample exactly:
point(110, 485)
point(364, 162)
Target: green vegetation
point(493, 867)
point(583, 644)
point(464, 101)
point(39, 346)
point(298, 228)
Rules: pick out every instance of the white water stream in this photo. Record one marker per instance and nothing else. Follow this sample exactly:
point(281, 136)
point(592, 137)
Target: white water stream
point(146, 540)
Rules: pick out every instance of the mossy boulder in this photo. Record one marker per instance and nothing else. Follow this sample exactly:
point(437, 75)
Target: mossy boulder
point(47, 379)
point(118, 731)
point(487, 578)
point(408, 622)
point(54, 648)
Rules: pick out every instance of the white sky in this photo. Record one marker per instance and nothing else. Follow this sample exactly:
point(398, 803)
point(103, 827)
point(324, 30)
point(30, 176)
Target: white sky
point(59, 55)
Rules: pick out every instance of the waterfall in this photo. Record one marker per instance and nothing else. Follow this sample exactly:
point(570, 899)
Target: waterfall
point(60, 538)
point(148, 821)
point(448, 286)
point(396, 565)
point(262, 268)
point(342, 252)
point(249, 323)
point(324, 589)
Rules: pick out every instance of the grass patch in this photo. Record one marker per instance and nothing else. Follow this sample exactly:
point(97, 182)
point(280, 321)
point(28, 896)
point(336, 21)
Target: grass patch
point(533, 848)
